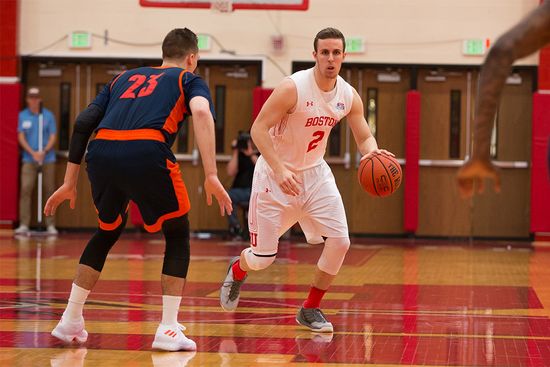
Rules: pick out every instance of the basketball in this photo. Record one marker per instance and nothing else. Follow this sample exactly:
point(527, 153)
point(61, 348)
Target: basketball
point(380, 175)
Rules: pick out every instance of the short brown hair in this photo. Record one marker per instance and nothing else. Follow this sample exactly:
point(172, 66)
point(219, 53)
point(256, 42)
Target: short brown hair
point(327, 33)
point(179, 43)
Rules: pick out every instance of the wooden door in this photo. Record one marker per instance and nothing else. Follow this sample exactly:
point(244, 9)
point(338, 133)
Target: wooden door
point(507, 214)
point(60, 84)
point(384, 96)
point(446, 97)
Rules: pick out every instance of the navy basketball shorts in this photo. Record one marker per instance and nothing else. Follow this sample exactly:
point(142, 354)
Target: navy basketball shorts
point(144, 171)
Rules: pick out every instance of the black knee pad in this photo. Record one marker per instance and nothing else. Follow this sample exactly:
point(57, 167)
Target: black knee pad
point(177, 253)
point(100, 244)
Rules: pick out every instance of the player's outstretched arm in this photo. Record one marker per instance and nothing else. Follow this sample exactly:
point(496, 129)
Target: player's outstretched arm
point(529, 35)
point(281, 102)
point(203, 127)
point(366, 143)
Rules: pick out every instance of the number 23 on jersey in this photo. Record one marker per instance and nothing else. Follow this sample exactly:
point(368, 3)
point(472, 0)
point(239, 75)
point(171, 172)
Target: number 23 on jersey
point(138, 81)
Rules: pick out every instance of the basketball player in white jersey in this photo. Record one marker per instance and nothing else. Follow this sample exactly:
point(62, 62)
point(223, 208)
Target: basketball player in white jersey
point(292, 182)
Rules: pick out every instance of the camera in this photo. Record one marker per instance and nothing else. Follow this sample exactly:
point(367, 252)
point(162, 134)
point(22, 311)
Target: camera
point(242, 140)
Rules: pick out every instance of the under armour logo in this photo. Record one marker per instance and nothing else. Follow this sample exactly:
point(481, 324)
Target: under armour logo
point(309, 103)
point(267, 189)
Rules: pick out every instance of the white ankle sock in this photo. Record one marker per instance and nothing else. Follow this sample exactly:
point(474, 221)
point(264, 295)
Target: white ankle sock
point(76, 303)
point(170, 308)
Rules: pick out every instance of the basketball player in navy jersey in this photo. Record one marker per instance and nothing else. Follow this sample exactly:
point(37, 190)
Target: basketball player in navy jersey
point(526, 37)
point(137, 116)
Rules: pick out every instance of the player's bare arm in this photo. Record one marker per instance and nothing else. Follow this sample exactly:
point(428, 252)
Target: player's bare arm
point(526, 37)
point(366, 143)
point(203, 127)
point(281, 102)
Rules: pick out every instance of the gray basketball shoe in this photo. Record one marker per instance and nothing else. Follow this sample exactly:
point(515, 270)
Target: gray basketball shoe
point(314, 319)
point(230, 290)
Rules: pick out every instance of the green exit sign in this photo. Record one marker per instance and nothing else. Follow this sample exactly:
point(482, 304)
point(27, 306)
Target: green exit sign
point(204, 42)
point(80, 40)
point(355, 45)
point(475, 47)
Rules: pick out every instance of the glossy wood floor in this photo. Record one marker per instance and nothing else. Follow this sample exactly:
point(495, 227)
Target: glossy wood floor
point(395, 302)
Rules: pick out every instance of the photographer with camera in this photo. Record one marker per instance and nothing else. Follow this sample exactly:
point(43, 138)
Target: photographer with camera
point(241, 167)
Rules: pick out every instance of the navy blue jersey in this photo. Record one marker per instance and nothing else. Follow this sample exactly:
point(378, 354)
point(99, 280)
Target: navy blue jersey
point(150, 98)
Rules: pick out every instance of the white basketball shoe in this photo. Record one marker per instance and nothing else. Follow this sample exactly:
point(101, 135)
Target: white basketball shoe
point(172, 338)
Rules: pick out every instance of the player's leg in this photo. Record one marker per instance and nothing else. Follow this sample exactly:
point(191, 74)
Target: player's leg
point(310, 314)
point(264, 241)
point(163, 202)
point(169, 335)
point(324, 217)
point(270, 214)
point(88, 271)
point(111, 204)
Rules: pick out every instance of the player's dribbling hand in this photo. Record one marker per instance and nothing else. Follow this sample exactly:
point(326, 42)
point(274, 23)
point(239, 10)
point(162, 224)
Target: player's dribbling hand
point(288, 182)
point(213, 186)
point(377, 151)
point(472, 174)
point(65, 192)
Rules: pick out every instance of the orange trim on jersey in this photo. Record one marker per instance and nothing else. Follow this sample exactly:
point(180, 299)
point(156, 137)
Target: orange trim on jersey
point(115, 79)
point(137, 134)
point(180, 79)
point(163, 67)
point(179, 110)
point(110, 226)
point(181, 194)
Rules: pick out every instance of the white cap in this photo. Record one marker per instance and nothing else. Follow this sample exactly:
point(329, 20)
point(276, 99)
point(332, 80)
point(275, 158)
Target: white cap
point(33, 91)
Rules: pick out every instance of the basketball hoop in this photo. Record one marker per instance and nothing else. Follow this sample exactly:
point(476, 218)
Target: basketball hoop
point(222, 6)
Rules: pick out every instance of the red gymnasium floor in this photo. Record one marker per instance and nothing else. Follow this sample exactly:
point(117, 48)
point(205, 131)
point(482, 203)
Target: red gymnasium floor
point(398, 302)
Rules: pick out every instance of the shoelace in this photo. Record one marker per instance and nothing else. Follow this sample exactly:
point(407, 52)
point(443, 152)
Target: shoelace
point(314, 314)
point(235, 288)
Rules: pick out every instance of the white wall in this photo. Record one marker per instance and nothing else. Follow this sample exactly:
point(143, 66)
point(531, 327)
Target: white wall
point(396, 31)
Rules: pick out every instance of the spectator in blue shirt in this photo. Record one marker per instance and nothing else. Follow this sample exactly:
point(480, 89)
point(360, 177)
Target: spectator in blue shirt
point(35, 158)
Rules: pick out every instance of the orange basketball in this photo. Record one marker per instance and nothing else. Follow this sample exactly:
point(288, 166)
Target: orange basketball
point(379, 175)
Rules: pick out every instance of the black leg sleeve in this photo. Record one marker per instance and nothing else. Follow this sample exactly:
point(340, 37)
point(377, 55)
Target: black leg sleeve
point(177, 253)
point(100, 244)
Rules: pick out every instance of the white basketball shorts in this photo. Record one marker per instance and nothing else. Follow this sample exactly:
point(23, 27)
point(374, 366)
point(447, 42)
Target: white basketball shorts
point(318, 209)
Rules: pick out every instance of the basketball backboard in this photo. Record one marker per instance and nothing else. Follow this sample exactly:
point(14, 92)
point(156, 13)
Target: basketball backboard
point(236, 4)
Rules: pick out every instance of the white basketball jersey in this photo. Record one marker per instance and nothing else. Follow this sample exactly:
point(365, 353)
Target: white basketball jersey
point(300, 139)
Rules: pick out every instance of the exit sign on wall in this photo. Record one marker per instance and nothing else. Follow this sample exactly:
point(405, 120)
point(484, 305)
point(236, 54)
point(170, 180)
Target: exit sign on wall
point(80, 39)
point(355, 45)
point(475, 46)
point(204, 42)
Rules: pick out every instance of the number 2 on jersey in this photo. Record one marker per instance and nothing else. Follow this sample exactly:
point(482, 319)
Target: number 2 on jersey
point(138, 81)
point(319, 134)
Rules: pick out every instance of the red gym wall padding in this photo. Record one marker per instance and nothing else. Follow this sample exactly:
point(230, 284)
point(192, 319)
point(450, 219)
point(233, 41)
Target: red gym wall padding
point(412, 156)
point(540, 181)
point(9, 152)
point(8, 38)
point(259, 96)
point(9, 109)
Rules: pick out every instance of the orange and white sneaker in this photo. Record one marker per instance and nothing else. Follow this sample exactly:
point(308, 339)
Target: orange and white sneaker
point(172, 338)
point(67, 331)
